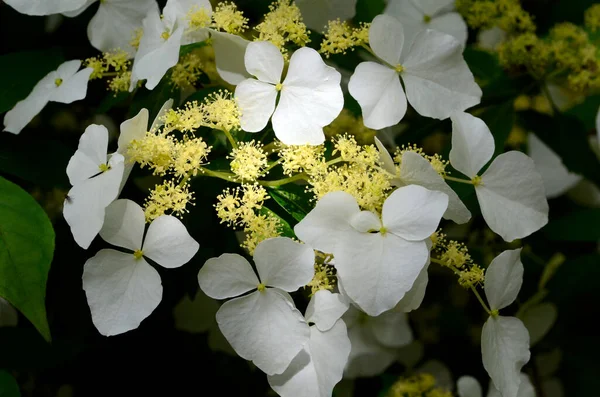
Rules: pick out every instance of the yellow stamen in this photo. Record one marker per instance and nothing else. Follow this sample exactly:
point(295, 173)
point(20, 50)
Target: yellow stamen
point(104, 167)
point(137, 254)
point(260, 287)
point(399, 68)
point(476, 180)
point(278, 86)
point(58, 82)
point(165, 35)
point(426, 18)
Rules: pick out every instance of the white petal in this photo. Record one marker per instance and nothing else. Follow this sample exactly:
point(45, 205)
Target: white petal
point(229, 56)
point(526, 389)
point(121, 291)
point(115, 22)
point(437, 79)
point(378, 91)
point(414, 169)
point(325, 308)
point(25, 110)
point(413, 212)
point(410, 16)
point(264, 327)
point(318, 367)
point(467, 386)
point(378, 270)
point(132, 129)
point(503, 279)
point(264, 60)
point(77, 11)
point(86, 202)
point(365, 221)
point(284, 263)
point(44, 7)
point(227, 276)
point(386, 38)
point(451, 23)
point(327, 224)
point(367, 357)
point(316, 13)
point(195, 315)
point(157, 122)
point(90, 154)
point(124, 223)
point(511, 196)
point(168, 242)
point(257, 103)
point(391, 329)
point(73, 86)
point(505, 350)
point(557, 178)
point(472, 144)
point(385, 157)
point(539, 320)
point(414, 297)
point(311, 98)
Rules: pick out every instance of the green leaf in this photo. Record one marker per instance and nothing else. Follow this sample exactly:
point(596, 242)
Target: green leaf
point(366, 10)
point(26, 250)
point(286, 230)
point(483, 64)
point(20, 72)
point(500, 119)
point(186, 49)
point(8, 385)
point(579, 225)
point(293, 199)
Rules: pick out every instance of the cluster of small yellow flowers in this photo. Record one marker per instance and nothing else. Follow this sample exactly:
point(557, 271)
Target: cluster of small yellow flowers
point(419, 385)
point(508, 15)
point(436, 160)
point(228, 18)
point(341, 37)
point(136, 37)
point(456, 255)
point(187, 71)
point(303, 158)
point(282, 25)
point(517, 137)
point(167, 198)
point(438, 240)
point(115, 64)
point(197, 18)
point(471, 277)
point(155, 151)
point(248, 161)
point(525, 51)
point(347, 123)
point(189, 156)
point(592, 18)
point(324, 279)
point(351, 152)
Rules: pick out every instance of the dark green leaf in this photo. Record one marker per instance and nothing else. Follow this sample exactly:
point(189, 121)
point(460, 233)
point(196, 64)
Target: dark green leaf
point(286, 230)
point(186, 49)
point(26, 250)
point(582, 225)
point(366, 10)
point(483, 64)
point(293, 199)
point(8, 385)
point(111, 100)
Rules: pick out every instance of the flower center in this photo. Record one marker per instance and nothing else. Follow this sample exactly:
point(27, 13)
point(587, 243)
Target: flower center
point(260, 287)
point(278, 86)
point(426, 18)
point(476, 180)
point(104, 167)
point(383, 230)
point(137, 254)
point(58, 82)
point(165, 35)
point(399, 68)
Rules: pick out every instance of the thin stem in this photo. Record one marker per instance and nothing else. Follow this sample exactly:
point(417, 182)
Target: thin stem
point(273, 164)
point(483, 304)
point(450, 178)
point(283, 181)
point(270, 147)
point(230, 138)
point(219, 174)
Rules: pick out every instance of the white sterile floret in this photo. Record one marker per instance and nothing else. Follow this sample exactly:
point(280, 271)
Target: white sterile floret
point(510, 192)
point(504, 340)
point(320, 364)
point(229, 56)
point(122, 289)
point(467, 386)
point(45, 7)
point(263, 326)
point(310, 97)
point(416, 170)
point(377, 260)
point(437, 79)
point(557, 178)
point(317, 13)
point(96, 179)
point(65, 85)
point(418, 15)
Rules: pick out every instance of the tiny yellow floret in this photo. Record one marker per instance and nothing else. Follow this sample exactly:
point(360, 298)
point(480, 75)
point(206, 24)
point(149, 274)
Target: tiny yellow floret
point(138, 254)
point(58, 82)
point(228, 18)
point(476, 180)
point(261, 287)
point(104, 167)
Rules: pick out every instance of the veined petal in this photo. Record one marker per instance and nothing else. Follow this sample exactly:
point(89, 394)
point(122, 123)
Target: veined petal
point(505, 350)
point(386, 38)
point(472, 144)
point(413, 212)
point(391, 329)
point(284, 263)
point(25, 110)
point(325, 309)
point(385, 157)
point(132, 129)
point(410, 16)
point(437, 79)
point(121, 291)
point(264, 60)
point(124, 223)
point(526, 389)
point(365, 222)
point(257, 103)
point(414, 297)
point(264, 327)
point(451, 23)
point(467, 386)
point(44, 7)
point(503, 279)
point(378, 91)
point(367, 357)
point(229, 56)
point(227, 276)
point(90, 154)
point(168, 242)
point(511, 196)
point(73, 86)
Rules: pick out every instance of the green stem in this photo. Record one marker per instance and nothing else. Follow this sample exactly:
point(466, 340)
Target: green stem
point(270, 147)
point(283, 181)
point(273, 164)
point(219, 174)
point(450, 178)
point(231, 140)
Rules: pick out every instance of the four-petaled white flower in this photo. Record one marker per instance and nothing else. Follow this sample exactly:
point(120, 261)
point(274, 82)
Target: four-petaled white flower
point(437, 79)
point(96, 178)
point(65, 85)
point(377, 260)
point(264, 326)
point(504, 340)
point(122, 289)
point(510, 192)
point(45, 7)
point(467, 386)
point(317, 13)
point(418, 15)
point(310, 96)
point(320, 364)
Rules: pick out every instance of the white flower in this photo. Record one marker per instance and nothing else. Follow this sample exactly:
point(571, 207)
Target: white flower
point(418, 15)
point(96, 180)
point(414, 296)
point(64, 85)
point(377, 260)
point(510, 192)
point(467, 386)
point(538, 320)
point(122, 289)
point(229, 56)
point(504, 340)
point(438, 81)
point(416, 170)
point(316, 13)
point(557, 178)
point(45, 7)
point(310, 96)
point(320, 364)
point(264, 326)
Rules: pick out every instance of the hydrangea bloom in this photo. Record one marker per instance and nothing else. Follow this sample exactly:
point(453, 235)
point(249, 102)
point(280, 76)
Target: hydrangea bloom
point(510, 192)
point(65, 85)
point(310, 97)
point(378, 260)
point(438, 81)
point(122, 289)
